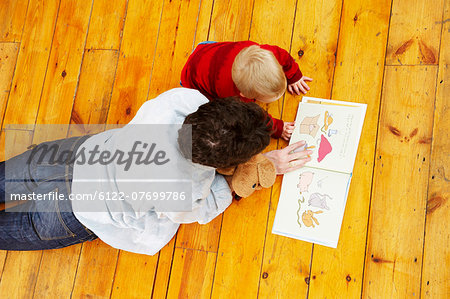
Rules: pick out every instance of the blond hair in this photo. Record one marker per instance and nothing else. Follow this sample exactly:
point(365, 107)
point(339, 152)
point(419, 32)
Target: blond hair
point(257, 73)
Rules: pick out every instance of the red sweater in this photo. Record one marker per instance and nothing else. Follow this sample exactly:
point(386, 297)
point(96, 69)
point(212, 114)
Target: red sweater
point(208, 70)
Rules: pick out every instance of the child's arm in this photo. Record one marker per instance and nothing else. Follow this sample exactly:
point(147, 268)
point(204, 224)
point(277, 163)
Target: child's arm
point(299, 86)
point(295, 79)
point(288, 129)
point(277, 127)
point(290, 67)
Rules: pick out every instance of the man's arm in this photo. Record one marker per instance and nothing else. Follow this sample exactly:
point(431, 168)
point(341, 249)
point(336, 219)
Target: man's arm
point(206, 209)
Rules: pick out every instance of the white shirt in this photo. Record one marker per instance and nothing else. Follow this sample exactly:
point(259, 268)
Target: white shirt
point(123, 225)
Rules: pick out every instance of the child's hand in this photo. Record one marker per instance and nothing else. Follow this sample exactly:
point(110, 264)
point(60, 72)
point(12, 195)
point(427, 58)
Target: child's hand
point(288, 128)
point(300, 85)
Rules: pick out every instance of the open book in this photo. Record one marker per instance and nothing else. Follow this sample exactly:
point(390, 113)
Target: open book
point(312, 199)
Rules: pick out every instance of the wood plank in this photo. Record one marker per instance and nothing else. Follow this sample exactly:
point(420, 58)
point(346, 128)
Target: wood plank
point(360, 59)
point(200, 236)
point(161, 282)
point(436, 260)
point(224, 27)
point(176, 37)
point(2, 260)
point(285, 272)
point(194, 235)
point(14, 141)
point(172, 51)
point(231, 20)
point(63, 69)
point(195, 280)
point(95, 272)
point(8, 58)
point(397, 214)
point(20, 273)
point(129, 92)
point(12, 14)
point(32, 62)
point(177, 34)
point(204, 22)
point(415, 32)
point(90, 96)
point(94, 90)
point(135, 60)
point(90, 107)
point(286, 264)
point(107, 20)
point(57, 272)
point(245, 222)
point(54, 109)
point(134, 275)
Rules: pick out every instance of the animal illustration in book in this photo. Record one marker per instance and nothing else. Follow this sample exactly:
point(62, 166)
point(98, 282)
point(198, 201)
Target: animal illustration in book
point(328, 120)
point(300, 201)
point(319, 201)
point(309, 125)
point(305, 180)
point(309, 219)
point(321, 182)
point(324, 148)
point(332, 132)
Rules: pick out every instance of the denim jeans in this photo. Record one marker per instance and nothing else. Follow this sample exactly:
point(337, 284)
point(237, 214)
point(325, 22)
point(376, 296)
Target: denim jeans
point(40, 224)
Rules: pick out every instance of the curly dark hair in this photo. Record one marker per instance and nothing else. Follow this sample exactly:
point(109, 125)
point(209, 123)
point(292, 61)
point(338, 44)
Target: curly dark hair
point(225, 132)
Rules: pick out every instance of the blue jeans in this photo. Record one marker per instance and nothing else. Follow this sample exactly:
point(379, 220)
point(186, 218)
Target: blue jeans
point(40, 224)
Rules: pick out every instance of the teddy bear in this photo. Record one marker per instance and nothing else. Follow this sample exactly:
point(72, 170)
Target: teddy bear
point(255, 174)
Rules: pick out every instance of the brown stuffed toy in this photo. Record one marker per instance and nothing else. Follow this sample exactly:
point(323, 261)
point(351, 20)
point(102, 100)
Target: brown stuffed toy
point(255, 174)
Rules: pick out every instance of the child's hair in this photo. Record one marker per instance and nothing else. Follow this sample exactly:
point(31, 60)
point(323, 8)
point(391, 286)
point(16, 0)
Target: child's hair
point(225, 132)
point(257, 73)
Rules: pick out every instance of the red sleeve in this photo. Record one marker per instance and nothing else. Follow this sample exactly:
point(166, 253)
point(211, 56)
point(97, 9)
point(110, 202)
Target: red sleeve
point(290, 67)
point(277, 127)
point(277, 124)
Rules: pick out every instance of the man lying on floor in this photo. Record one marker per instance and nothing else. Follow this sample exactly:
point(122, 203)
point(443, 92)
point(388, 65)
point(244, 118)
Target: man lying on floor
point(132, 187)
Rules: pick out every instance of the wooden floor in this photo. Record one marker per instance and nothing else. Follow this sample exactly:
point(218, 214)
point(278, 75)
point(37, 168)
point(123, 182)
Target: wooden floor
point(97, 61)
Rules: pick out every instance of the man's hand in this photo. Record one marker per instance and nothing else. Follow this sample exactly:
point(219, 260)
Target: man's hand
point(288, 128)
point(286, 160)
point(300, 85)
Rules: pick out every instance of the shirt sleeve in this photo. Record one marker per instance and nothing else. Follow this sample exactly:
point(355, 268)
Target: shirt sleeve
point(290, 67)
point(206, 209)
point(277, 127)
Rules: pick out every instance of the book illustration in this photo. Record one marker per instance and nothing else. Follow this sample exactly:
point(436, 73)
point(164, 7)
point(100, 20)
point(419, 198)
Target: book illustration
point(327, 121)
point(332, 132)
point(305, 180)
point(313, 198)
point(324, 148)
point(321, 182)
point(309, 125)
point(319, 200)
point(308, 218)
point(300, 201)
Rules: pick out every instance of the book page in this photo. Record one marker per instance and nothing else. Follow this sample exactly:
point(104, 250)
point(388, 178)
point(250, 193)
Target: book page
point(331, 131)
point(311, 206)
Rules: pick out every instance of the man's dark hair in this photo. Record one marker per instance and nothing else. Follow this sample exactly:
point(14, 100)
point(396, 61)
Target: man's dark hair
point(225, 132)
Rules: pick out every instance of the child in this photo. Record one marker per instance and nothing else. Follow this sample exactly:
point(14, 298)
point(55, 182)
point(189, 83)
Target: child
point(245, 69)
